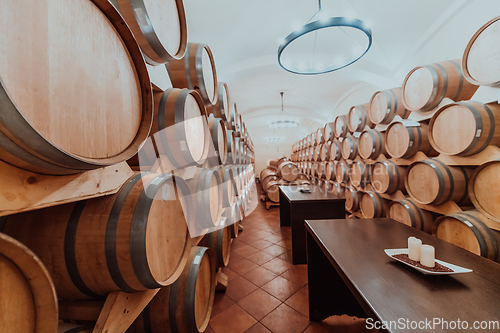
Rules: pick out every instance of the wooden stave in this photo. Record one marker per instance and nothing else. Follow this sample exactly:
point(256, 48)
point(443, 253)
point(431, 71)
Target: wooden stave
point(272, 188)
point(486, 123)
point(418, 134)
point(330, 170)
point(231, 147)
point(465, 57)
point(362, 120)
point(221, 110)
point(487, 240)
point(342, 172)
point(447, 189)
point(379, 205)
point(219, 241)
point(418, 218)
point(231, 215)
point(173, 307)
point(233, 112)
point(352, 198)
point(335, 151)
point(340, 129)
point(16, 143)
point(396, 177)
point(217, 128)
point(36, 299)
point(126, 269)
point(440, 72)
point(377, 139)
point(291, 173)
point(320, 136)
point(396, 107)
point(228, 185)
point(192, 77)
point(329, 132)
point(350, 147)
point(169, 133)
point(359, 174)
point(477, 202)
point(145, 34)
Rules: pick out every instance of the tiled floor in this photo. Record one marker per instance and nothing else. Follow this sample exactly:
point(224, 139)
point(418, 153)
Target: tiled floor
point(266, 293)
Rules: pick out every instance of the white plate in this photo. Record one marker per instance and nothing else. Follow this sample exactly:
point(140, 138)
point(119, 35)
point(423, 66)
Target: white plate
point(456, 269)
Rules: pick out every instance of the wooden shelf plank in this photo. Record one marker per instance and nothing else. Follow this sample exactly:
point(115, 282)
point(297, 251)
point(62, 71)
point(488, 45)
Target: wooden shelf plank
point(22, 190)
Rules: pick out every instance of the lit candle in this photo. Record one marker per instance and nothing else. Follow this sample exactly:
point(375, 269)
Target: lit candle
point(414, 248)
point(427, 255)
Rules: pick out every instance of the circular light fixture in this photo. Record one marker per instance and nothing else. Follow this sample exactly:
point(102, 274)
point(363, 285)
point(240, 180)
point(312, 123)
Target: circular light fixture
point(282, 121)
point(316, 64)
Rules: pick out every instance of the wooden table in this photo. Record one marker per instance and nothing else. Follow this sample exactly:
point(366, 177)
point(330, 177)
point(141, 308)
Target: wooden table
point(296, 207)
point(349, 273)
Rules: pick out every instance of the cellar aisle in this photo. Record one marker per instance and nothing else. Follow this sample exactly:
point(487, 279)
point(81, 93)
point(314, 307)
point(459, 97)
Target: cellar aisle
point(266, 293)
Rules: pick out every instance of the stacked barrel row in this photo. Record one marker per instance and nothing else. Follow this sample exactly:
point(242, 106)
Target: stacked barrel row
point(417, 153)
point(190, 148)
point(279, 172)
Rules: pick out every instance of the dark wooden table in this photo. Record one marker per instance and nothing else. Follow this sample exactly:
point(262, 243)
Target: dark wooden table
point(296, 207)
point(349, 273)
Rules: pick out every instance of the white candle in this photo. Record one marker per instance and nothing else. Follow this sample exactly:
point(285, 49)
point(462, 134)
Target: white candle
point(427, 255)
point(414, 248)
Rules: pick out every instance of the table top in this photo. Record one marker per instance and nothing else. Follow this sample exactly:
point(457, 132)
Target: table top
point(293, 194)
point(390, 290)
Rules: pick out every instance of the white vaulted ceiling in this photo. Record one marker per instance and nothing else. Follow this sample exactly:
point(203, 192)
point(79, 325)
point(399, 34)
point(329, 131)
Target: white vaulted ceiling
point(244, 36)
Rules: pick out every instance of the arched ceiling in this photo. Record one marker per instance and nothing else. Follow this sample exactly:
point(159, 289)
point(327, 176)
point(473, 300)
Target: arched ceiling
point(244, 37)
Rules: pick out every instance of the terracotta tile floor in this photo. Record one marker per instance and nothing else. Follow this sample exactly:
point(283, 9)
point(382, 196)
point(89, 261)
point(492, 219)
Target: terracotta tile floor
point(266, 293)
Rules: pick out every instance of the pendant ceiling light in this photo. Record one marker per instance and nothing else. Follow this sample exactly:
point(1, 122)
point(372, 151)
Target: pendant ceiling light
point(324, 44)
point(283, 120)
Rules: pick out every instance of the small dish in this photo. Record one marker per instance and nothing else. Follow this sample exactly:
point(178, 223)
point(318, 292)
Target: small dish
point(456, 269)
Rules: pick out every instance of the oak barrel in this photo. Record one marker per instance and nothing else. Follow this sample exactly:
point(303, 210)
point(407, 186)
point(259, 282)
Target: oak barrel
point(465, 128)
point(231, 147)
point(232, 219)
point(272, 190)
point(288, 171)
point(371, 144)
point(342, 172)
point(228, 185)
point(469, 231)
point(320, 135)
point(218, 134)
point(480, 61)
point(484, 189)
point(234, 118)
point(431, 182)
point(350, 147)
point(29, 300)
point(329, 131)
point(87, 102)
point(73, 328)
point(426, 86)
point(385, 105)
point(221, 107)
point(388, 177)
point(134, 240)
point(196, 71)
point(219, 241)
point(186, 305)
point(335, 151)
point(352, 198)
point(372, 205)
point(180, 129)
point(405, 139)
point(358, 118)
point(359, 174)
point(340, 127)
point(159, 26)
point(330, 170)
point(407, 212)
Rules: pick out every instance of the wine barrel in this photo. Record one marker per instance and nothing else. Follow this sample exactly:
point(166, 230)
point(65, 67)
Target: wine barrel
point(385, 105)
point(161, 34)
point(330, 171)
point(372, 205)
point(431, 182)
point(228, 185)
point(335, 151)
point(319, 170)
point(360, 174)
point(231, 147)
point(480, 59)
point(29, 300)
point(93, 247)
point(388, 177)
point(180, 128)
point(324, 149)
point(340, 128)
point(218, 134)
point(358, 118)
point(483, 189)
point(234, 119)
point(405, 139)
point(350, 147)
point(465, 128)
point(329, 131)
point(272, 190)
point(219, 241)
point(185, 306)
point(371, 144)
point(320, 135)
point(342, 172)
point(232, 219)
point(86, 68)
point(288, 171)
point(73, 328)
point(469, 231)
point(196, 71)
point(339, 189)
point(426, 86)
point(407, 212)
point(221, 108)
point(352, 198)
